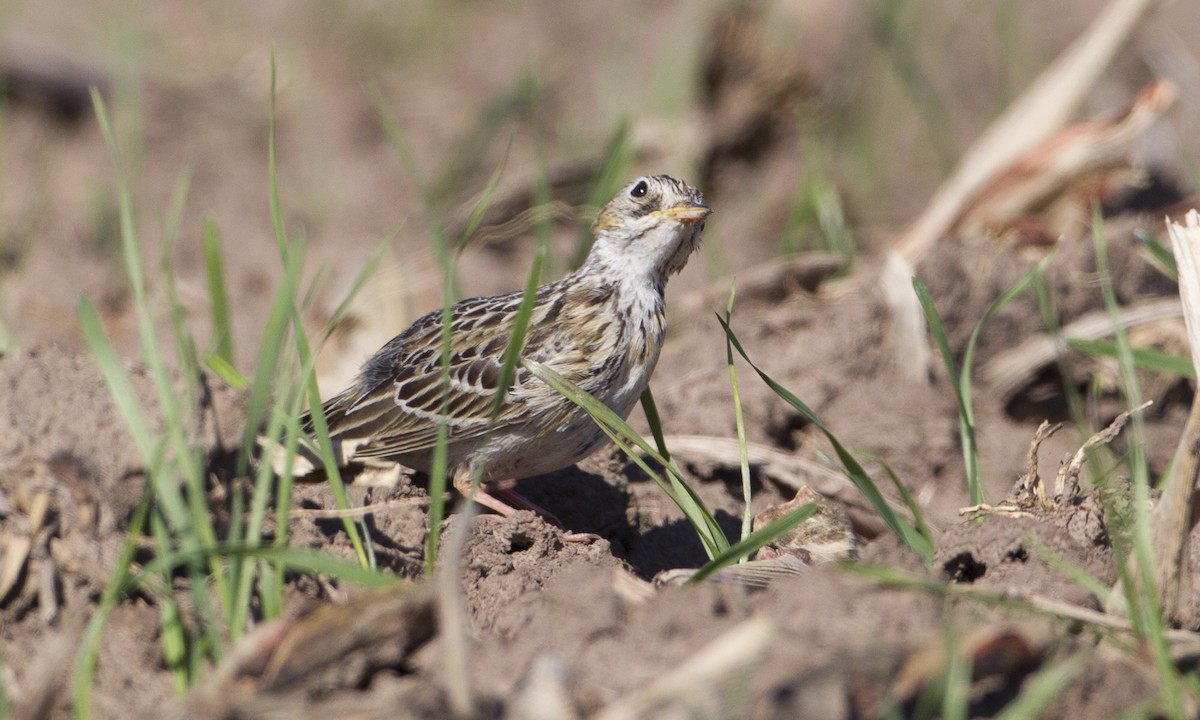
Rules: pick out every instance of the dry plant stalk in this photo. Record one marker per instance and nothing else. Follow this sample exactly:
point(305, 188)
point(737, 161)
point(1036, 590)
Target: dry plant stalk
point(1040, 111)
point(1030, 492)
point(361, 510)
point(1013, 369)
point(1033, 490)
point(1074, 167)
point(1174, 518)
point(1043, 108)
point(793, 471)
point(1066, 483)
point(451, 606)
point(732, 652)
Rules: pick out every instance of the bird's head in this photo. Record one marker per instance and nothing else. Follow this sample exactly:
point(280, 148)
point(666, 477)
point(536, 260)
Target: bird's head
point(650, 228)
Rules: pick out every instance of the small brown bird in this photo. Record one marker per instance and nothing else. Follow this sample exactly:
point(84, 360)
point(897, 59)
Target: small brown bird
point(601, 327)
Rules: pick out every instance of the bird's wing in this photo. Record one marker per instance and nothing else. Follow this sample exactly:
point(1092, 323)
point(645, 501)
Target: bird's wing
point(402, 393)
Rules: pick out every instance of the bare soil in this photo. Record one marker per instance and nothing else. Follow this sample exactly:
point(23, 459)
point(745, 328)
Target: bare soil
point(559, 629)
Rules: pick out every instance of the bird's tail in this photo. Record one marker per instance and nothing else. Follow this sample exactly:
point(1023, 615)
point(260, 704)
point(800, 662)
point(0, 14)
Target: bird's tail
point(307, 464)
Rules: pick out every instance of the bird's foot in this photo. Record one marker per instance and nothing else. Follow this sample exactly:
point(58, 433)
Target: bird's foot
point(501, 498)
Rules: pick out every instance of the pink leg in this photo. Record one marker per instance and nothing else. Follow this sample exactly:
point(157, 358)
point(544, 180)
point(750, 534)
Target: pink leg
point(515, 501)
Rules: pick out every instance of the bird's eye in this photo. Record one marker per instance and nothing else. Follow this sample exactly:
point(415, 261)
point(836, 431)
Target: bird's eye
point(640, 189)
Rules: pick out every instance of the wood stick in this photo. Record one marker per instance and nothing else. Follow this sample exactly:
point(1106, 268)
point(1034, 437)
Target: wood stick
point(1173, 518)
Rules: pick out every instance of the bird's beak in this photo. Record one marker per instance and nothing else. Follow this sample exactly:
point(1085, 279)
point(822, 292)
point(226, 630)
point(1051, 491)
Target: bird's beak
point(688, 212)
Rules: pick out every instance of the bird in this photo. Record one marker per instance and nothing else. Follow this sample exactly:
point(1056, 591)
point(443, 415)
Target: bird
point(601, 327)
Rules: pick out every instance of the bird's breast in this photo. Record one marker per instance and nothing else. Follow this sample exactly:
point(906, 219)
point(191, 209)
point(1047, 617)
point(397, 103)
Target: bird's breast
point(627, 339)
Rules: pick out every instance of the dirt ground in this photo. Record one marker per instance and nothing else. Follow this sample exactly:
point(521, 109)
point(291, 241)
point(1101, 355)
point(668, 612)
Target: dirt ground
point(751, 111)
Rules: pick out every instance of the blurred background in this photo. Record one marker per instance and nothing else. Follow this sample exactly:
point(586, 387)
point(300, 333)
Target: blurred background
point(819, 125)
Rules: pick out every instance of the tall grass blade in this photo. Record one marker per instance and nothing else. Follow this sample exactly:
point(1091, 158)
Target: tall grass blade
point(226, 372)
point(625, 438)
point(961, 380)
point(516, 341)
point(1043, 688)
point(903, 529)
point(118, 583)
point(1141, 594)
point(301, 560)
point(740, 423)
point(471, 150)
point(543, 227)
point(617, 156)
point(1078, 575)
point(1143, 358)
point(654, 420)
point(899, 41)
point(185, 521)
point(431, 202)
point(115, 378)
point(360, 280)
point(751, 542)
point(272, 170)
point(1161, 254)
point(905, 496)
point(480, 208)
point(214, 273)
point(321, 428)
point(956, 677)
point(966, 424)
point(266, 364)
point(439, 463)
point(8, 343)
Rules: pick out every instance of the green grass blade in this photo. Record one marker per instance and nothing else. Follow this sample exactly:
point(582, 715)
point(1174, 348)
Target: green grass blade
point(740, 423)
point(266, 364)
point(172, 637)
point(750, 544)
point(543, 224)
point(1141, 593)
point(291, 409)
point(480, 208)
point(1078, 575)
point(617, 156)
point(509, 360)
point(961, 379)
point(968, 410)
point(8, 343)
point(650, 409)
point(114, 376)
point(956, 683)
point(1143, 358)
point(321, 428)
point(89, 645)
point(218, 296)
point(272, 171)
point(625, 437)
point(302, 560)
point(1161, 254)
point(905, 496)
point(1042, 688)
point(432, 204)
point(471, 149)
point(356, 287)
point(516, 341)
point(899, 40)
point(439, 464)
point(226, 372)
point(966, 425)
point(903, 529)
point(1075, 406)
